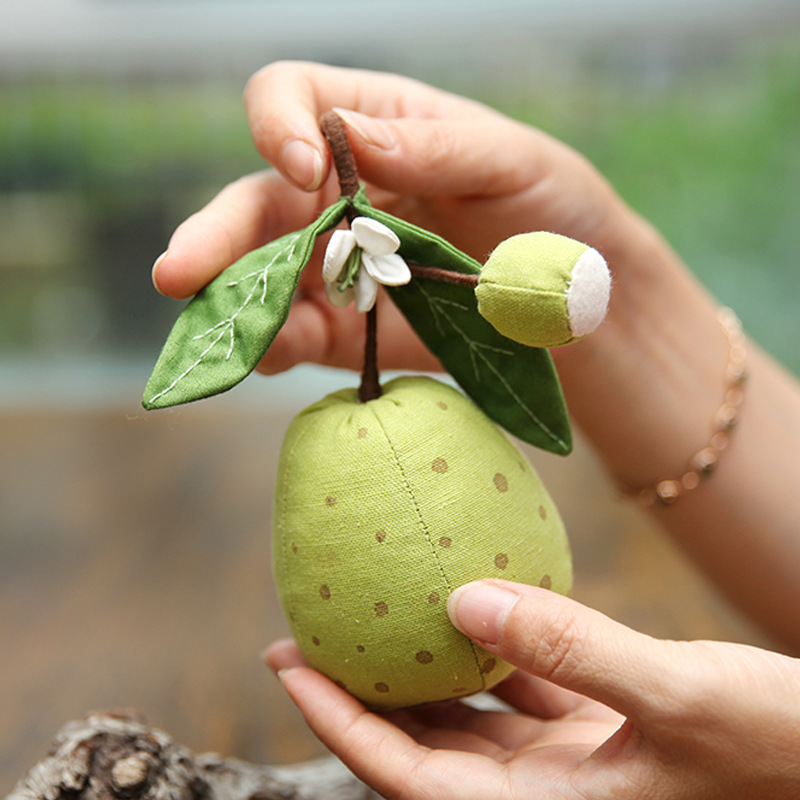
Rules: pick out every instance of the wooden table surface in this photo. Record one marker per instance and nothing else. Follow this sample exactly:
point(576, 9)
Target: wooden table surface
point(134, 573)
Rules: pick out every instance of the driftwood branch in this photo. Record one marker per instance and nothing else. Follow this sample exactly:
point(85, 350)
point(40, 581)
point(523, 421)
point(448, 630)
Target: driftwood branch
point(118, 757)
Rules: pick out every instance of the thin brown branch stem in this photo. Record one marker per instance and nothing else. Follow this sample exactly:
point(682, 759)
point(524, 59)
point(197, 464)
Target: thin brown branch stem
point(334, 130)
point(443, 275)
point(370, 388)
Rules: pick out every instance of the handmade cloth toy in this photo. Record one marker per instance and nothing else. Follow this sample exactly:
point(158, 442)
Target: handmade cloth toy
point(389, 497)
point(565, 281)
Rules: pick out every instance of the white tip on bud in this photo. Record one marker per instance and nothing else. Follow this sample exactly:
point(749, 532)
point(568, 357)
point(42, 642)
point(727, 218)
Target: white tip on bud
point(588, 293)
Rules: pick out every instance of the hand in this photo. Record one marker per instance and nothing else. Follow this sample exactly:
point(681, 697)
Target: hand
point(444, 162)
point(601, 712)
point(643, 387)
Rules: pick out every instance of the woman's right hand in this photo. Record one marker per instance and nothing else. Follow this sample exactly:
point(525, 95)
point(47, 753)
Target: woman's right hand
point(446, 163)
point(643, 387)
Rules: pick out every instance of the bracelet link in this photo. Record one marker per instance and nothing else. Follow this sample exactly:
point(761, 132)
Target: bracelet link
point(703, 463)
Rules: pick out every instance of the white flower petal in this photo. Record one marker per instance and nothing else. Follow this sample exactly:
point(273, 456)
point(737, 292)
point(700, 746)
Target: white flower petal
point(340, 245)
point(337, 298)
point(374, 237)
point(366, 291)
point(390, 270)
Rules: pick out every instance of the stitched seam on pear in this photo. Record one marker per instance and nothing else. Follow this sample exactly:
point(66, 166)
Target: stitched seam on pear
point(426, 531)
point(475, 352)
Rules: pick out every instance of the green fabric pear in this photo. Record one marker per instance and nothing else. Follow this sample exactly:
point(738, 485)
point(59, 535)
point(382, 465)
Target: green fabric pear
point(381, 510)
point(543, 290)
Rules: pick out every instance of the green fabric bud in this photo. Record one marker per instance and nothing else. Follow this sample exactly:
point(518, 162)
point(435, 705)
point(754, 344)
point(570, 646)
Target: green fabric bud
point(381, 510)
point(543, 290)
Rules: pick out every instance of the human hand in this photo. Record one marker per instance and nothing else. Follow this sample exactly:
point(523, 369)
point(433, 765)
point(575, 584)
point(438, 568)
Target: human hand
point(474, 176)
point(446, 163)
point(600, 712)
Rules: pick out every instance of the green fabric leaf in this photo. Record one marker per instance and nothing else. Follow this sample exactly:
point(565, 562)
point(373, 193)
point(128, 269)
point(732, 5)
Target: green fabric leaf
point(516, 385)
point(418, 246)
point(226, 329)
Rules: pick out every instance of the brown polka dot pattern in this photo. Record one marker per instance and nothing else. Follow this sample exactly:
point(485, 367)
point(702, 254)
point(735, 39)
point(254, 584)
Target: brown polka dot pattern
point(488, 666)
point(546, 582)
point(396, 666)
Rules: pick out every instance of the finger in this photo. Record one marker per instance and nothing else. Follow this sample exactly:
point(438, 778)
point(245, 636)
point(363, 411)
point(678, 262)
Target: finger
point(555, 638)
point(283, 654)
point(503, 173)
point(244, 215)
point(487, 156)
point(496, 734)
point(436, 728)
point(536, 696)
point(285, 100)
point(381, 754)
point(307, 337)
point(316, 332)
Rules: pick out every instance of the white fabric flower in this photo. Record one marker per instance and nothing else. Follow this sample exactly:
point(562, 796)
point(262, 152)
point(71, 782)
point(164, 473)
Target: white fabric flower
point(380, 263)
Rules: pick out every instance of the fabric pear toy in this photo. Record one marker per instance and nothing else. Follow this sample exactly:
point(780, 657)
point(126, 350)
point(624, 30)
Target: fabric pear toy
point(388, 497)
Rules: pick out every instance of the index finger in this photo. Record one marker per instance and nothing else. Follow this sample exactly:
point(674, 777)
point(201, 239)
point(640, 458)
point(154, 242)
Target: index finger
point(381, 754)
point(285, 100)
point(246, 214)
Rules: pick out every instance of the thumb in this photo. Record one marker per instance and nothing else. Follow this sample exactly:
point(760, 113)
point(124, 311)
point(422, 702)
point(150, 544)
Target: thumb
point(463, 156)
point(555, 638)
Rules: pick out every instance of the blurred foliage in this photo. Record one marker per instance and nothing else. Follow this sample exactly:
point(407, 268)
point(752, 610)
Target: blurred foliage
point(102, 171)
point(707, 146)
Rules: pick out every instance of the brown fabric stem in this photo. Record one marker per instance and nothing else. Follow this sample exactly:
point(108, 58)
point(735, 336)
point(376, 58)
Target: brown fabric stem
point(370, 388)
point(443, 275)
point(334, 130)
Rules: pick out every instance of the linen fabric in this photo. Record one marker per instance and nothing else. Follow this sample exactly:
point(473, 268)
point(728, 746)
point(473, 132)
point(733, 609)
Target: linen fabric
point(543, 289)
point(381, 510)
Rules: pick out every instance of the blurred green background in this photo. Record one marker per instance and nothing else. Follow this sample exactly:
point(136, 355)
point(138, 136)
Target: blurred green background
point(698, 130)
point(134, 566)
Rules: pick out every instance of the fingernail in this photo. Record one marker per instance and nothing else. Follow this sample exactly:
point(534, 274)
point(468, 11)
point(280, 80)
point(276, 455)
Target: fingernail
point(373, 131)
point(303, 163)
point(154, 270)
point(480, 610)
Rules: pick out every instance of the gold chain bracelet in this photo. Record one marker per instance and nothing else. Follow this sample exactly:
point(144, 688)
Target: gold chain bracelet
point(704, 461)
